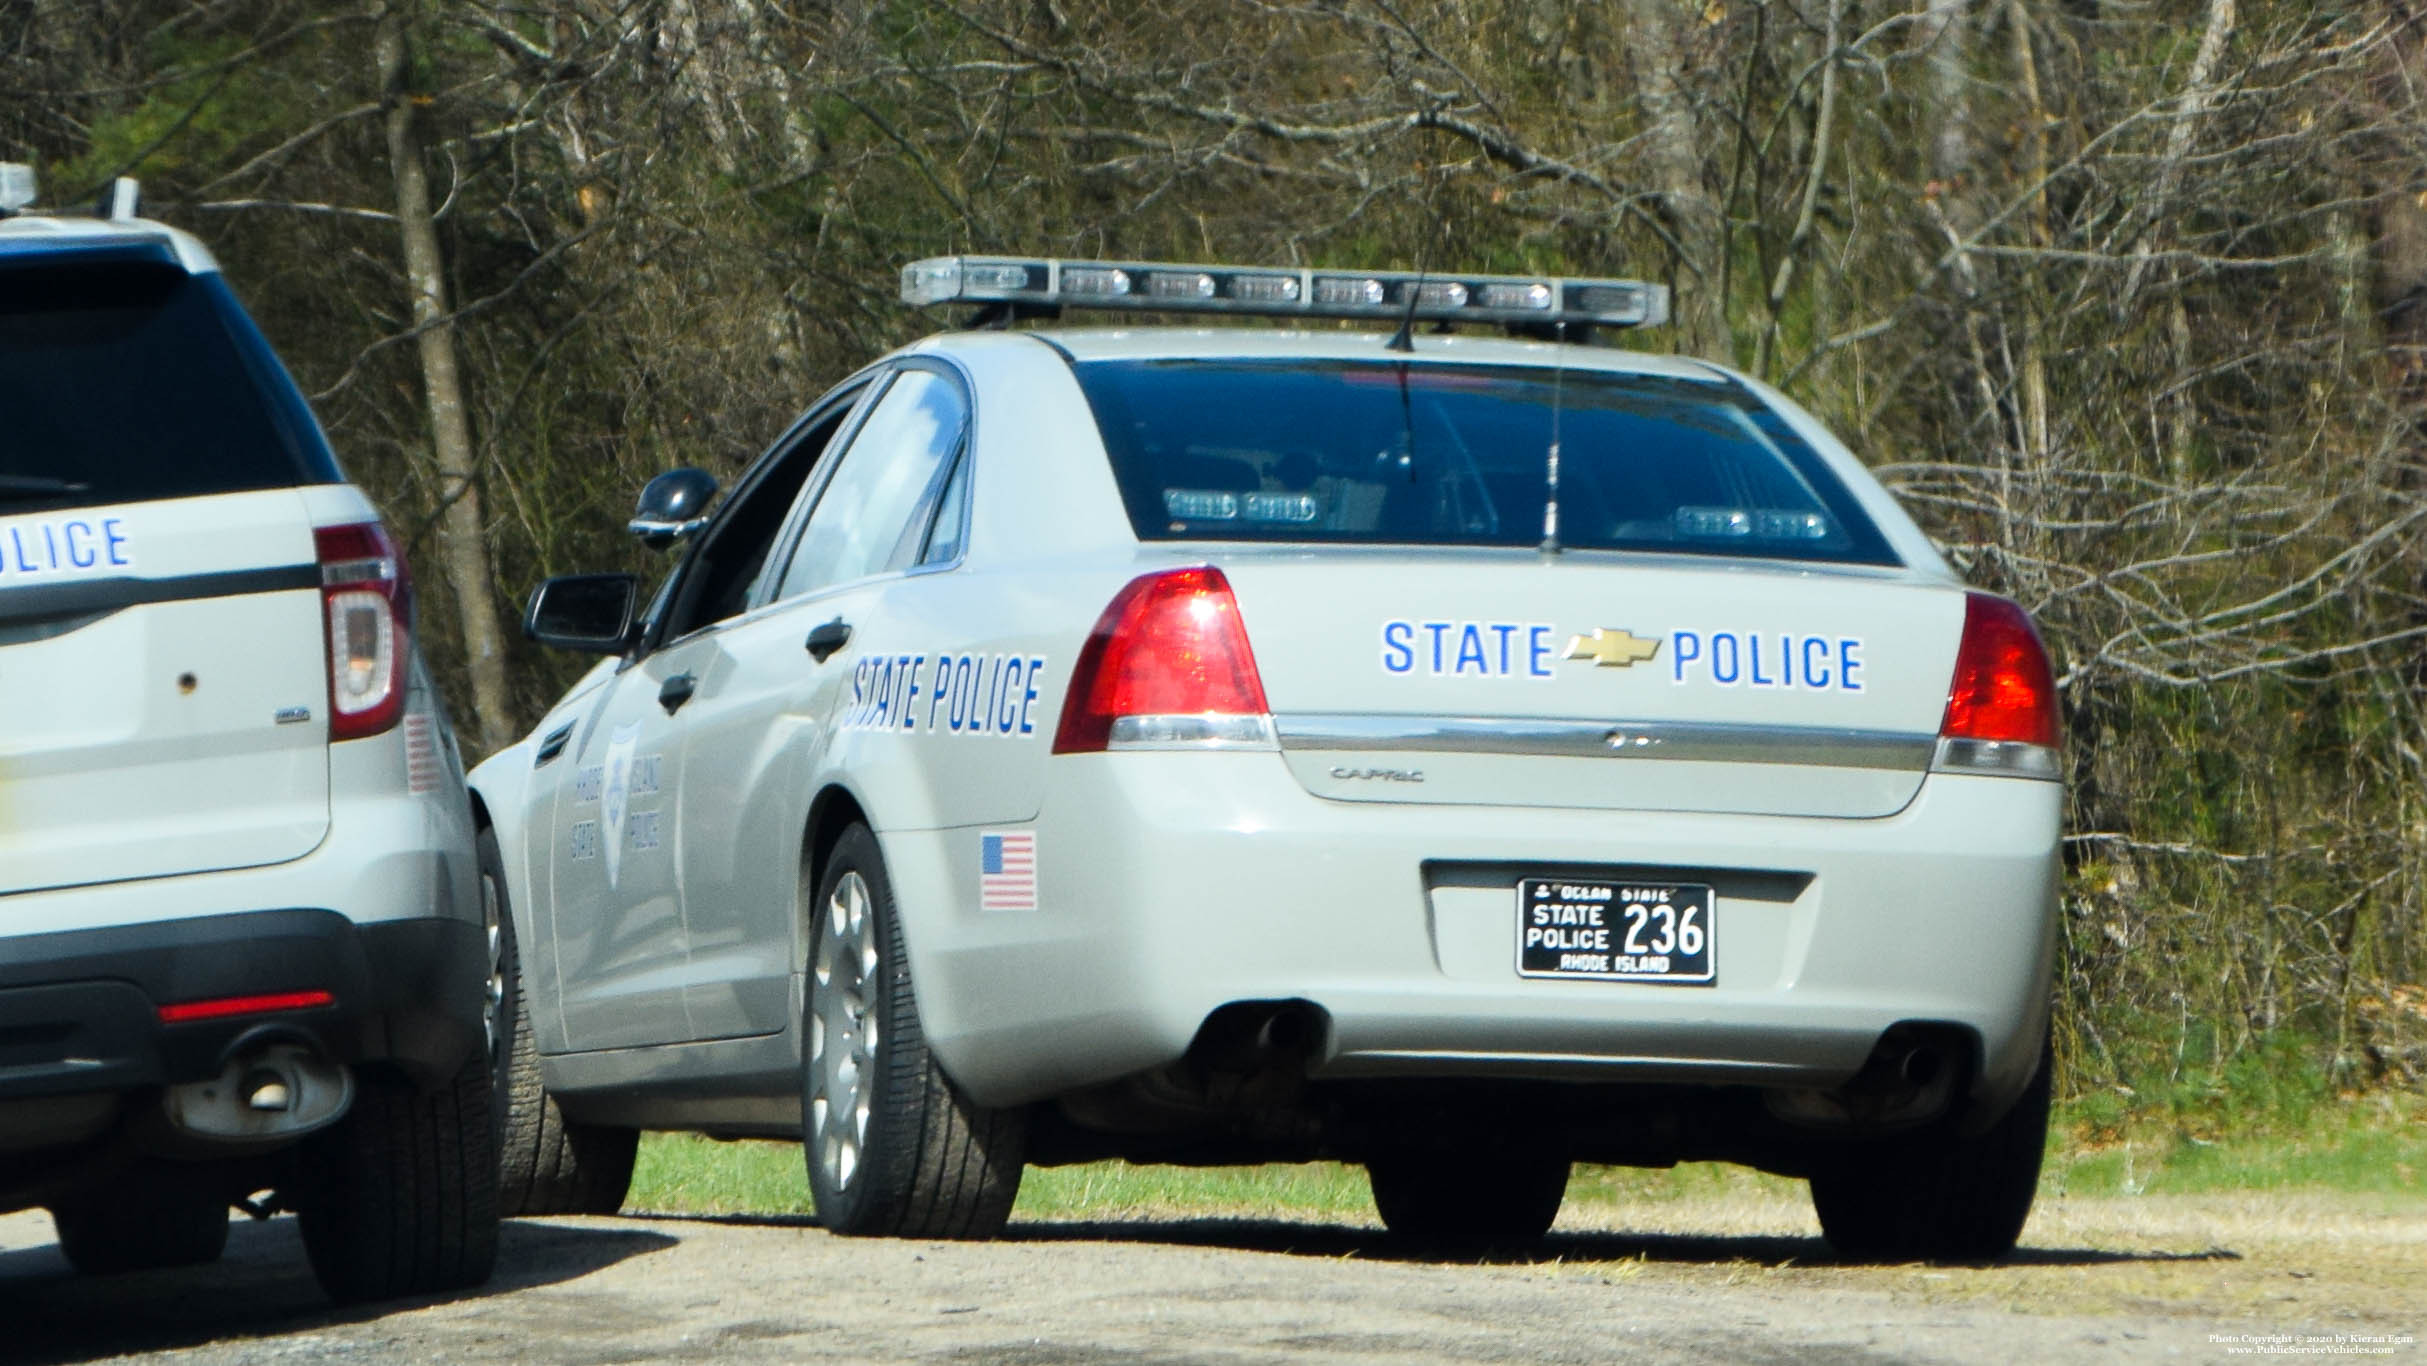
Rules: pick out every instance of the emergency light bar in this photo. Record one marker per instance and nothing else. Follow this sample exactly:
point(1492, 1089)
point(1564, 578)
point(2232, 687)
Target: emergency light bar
point(1378, 295)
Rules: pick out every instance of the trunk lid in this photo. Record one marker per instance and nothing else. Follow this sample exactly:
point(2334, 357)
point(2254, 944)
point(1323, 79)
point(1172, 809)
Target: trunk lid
point(1668, 683)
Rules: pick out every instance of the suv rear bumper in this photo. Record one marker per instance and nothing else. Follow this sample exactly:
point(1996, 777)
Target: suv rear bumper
point(80, 1009)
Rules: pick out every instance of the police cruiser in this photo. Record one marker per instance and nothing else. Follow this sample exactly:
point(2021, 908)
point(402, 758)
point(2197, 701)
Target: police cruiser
point(243, 955)
point(1459, 755)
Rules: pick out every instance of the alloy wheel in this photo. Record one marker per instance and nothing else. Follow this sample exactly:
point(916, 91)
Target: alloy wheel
point(493, 921)
point(842, 1030)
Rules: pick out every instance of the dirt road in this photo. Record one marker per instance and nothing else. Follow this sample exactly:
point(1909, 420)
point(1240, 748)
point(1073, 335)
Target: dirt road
point(2155, 1278)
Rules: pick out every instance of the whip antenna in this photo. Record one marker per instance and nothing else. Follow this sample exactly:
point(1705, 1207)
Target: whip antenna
point(1550, 472)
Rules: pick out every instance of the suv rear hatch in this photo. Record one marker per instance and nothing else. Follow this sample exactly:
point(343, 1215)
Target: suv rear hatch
point(163, 664)
point(1719, 628)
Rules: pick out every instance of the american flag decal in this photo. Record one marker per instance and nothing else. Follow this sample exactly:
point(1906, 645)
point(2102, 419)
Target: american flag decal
point(1007, 870)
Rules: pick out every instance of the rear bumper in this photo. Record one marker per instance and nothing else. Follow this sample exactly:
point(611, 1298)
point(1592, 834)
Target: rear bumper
point(1170, 885)
point(384, 916)
point(80, 1009)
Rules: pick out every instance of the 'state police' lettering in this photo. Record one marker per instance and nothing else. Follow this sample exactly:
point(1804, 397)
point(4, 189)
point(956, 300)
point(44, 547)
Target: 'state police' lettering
point(1470, 649)
point(946, 695)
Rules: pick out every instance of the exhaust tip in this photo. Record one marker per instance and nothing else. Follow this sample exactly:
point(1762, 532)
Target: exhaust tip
point(1921, 1066)
point(270, 1089)
point(1290, 1030)
point(1255, 1035)
point(267, 1092)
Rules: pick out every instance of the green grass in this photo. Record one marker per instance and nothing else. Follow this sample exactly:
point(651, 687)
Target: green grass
point(1117, 1190)
point(688, 1174)
point(2376, 1146)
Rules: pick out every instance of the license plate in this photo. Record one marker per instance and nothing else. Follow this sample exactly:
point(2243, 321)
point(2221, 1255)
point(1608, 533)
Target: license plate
point(1615, 931)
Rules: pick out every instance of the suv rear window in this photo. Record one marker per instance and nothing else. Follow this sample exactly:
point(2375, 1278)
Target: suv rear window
point(1380, 452)
point(123, 381)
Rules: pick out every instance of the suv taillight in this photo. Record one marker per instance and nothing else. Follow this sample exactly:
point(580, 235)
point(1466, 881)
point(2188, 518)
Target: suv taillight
point(1167, 667)
point(364, 594)
point(2001, 705)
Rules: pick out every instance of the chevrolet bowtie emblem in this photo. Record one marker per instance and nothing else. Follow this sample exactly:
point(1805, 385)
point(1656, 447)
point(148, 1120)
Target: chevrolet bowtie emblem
point(1611, 649)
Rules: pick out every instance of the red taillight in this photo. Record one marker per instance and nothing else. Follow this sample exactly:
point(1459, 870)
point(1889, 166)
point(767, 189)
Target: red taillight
point(221, 1007)
point(363, 595)
point(1170, 646)
point(2003, 689)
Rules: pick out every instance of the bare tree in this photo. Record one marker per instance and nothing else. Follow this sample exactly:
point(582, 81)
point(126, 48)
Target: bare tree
point(463, 534)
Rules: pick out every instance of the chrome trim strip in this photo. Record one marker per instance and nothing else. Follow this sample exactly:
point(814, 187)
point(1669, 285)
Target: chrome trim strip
point(1212, 730)
point(1709, 742)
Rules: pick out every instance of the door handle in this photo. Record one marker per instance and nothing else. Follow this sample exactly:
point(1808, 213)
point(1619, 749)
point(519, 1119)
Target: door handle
point(827, 639)
point(676, 691)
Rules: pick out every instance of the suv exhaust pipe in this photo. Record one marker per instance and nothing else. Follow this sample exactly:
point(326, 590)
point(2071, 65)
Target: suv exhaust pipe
point(272, 1088)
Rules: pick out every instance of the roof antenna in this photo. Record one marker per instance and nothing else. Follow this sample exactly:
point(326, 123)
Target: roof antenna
point(1405, 338)
point(1550, 489)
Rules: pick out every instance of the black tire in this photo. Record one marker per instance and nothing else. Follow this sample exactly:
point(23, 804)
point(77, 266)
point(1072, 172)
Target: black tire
point(1469, 1196)
point(923, 1160)
point(400, 1196)
point(141, 1225)
point(1941, 1197)
point(546, 1164)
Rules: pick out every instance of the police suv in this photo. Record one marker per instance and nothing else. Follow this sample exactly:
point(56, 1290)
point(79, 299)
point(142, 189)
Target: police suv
point(243, 956)
point(1459, 755)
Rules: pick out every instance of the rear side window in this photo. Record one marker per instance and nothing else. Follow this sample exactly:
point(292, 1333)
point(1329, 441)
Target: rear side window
point(122, 382)
point(1429, 454)
point(874, 513)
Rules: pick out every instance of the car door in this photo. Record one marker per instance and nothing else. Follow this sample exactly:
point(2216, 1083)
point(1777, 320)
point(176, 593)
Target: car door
point(870, 516)
point(623, 949)
point(619, 940)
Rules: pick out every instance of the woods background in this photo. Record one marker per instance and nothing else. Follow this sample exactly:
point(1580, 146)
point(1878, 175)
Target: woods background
point(2125, 298)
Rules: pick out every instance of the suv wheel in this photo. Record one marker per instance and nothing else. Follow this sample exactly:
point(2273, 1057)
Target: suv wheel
point(893, 1146)
point(1470, 1196)
point(1941, 1198)
point(546, 1165)
point(400, 1196)
point(141, 1225)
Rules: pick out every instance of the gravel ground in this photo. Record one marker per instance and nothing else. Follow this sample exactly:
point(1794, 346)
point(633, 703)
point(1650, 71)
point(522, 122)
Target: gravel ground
point(1735, 1280)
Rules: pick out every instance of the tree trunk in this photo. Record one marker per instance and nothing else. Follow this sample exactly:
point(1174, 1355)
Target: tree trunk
point(2199, 92)
point(2033, 379)
point(1691, 214)
point(1946, 33)
point(1823, 128)
point(463, 548)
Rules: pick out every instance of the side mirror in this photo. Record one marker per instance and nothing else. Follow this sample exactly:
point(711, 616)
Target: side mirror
point(588, 612)
point(672, 506)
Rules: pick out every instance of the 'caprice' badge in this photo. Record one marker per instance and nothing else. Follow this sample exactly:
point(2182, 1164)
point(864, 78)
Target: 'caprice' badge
point(1612, 649)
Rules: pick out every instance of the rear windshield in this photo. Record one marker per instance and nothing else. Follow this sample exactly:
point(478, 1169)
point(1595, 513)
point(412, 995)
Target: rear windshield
point(1427, 454)
point(122, 382)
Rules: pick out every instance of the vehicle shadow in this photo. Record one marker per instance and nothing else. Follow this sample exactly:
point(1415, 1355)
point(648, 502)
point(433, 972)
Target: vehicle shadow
point(1371, 1244)
point(261, 1288)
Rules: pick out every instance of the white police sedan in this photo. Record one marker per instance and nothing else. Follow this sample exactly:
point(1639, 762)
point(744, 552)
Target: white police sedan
point(1458, 755)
